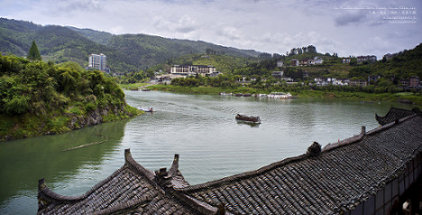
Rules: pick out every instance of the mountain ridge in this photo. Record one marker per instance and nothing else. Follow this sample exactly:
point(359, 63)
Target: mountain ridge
point(125, 52)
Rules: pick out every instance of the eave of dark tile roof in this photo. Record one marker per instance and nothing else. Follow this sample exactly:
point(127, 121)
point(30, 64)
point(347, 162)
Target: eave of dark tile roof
point(395, 114)
point(344, 167)
point(132, 188)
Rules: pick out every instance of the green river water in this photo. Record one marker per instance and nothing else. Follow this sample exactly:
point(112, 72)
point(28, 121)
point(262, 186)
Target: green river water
point(201, 128)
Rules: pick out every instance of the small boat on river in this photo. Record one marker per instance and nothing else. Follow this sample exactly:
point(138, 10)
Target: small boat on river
point(280, 95)
point(149, 110)
point(248, 119)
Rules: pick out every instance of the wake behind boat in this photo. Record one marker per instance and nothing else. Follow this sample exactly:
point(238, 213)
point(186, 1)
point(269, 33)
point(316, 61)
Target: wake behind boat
point(248, 119)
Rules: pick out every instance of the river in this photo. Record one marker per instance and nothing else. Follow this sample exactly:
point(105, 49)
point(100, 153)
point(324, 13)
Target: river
point(201, 128)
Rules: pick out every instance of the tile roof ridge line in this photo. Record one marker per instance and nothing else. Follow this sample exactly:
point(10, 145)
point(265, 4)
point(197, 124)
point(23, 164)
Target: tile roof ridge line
point(129, 161)
point(391, 124)
point(286, 161)
point(45, 194)
point(359, 137)
point(244, 174)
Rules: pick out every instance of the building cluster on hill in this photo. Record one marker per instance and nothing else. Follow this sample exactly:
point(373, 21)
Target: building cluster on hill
point(307, 61)
point(182, 71)
point(360, 59)
point(368, 58)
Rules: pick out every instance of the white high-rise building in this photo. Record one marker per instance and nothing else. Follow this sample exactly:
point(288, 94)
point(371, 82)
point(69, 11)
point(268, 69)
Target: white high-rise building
point(97, 61)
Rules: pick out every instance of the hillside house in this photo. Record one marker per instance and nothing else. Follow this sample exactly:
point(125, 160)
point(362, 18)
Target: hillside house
point(317, 61)
point(346, 60)
point(358, 83)
point(305, 62)
point(368, 58)
point(294, 62)
point(280, 63)
point(189, 70)
point(277, 74)
point(414, 82)
point(389, 56)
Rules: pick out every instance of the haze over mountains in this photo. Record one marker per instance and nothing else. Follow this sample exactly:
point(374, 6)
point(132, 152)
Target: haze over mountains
point(127, 52)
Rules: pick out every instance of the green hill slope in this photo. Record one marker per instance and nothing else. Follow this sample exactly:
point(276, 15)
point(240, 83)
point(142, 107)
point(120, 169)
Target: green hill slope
point(404, 65)
point(125, 53)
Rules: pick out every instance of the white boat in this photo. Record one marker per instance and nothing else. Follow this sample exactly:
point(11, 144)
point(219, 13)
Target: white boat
point(279, 95)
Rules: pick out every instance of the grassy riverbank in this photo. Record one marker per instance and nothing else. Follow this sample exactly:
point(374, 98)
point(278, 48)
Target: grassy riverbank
point(416, 98)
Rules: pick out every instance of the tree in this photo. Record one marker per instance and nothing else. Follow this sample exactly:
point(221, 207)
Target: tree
point(33, 53)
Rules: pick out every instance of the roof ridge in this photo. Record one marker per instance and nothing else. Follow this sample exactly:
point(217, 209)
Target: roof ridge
point(244, 174)
point(130, 162)
point(261, 170)
point(356, 138)
point(385, 180)
point(45, 192)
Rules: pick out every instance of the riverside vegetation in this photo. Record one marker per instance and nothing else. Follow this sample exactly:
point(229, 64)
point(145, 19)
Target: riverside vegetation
point(38, 98)
point(258, 77)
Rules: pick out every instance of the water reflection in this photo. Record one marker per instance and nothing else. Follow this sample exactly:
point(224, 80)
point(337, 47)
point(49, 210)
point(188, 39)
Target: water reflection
point(25, 161)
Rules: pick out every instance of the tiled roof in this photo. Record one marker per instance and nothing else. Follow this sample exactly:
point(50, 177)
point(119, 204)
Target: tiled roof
point(337, 179)
point(333, 180)
point(394, 114)
point(130, 189)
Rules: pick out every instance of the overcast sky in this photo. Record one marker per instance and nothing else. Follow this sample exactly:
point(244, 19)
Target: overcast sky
point(358, 27)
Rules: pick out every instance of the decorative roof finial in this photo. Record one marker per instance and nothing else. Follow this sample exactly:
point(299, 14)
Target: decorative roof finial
point(127, 154)
point(41, 184)
point(314, 150)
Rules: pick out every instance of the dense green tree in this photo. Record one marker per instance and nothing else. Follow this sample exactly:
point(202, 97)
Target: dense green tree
point(33, 53)
point(38, 87)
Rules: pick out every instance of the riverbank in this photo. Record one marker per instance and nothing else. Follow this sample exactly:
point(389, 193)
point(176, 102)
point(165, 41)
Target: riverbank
point(31, 125)
point(134, 86)
point(404, 97)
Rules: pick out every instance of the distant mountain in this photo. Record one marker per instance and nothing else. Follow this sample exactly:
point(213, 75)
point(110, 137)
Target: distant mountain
point(128, 52)
point(100, 37)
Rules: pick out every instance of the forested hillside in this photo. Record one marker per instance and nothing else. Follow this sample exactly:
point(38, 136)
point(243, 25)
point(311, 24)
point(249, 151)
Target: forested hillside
point(404, 65)
point(129, 52)
point(39, 98)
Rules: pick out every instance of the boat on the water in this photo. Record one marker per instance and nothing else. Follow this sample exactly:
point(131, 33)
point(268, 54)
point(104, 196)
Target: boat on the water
point(149, 110)
point(248, 119)
point(279, 95)
point(226, 94)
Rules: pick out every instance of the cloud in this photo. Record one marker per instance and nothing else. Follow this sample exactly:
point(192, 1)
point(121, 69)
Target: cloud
point(264, 25)
point(231, 33)
point(350, 18)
